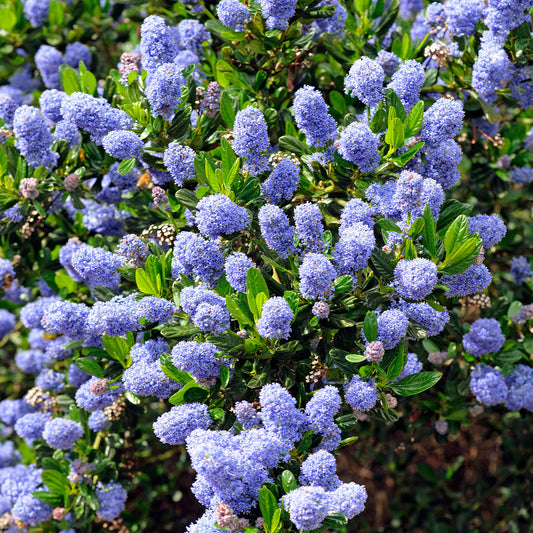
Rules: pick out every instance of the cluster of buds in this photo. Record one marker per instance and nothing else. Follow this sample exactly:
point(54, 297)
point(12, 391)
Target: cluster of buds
point(437, 358)
point(99, 387)
point(374, 352)
point(37, 397)
point(439, 52)
point(392, 401)
point(160, 197)
point(278, 157)
point(208, 99)
point(164, 234)
point(129, 63)
point(28, 188)
point(80, 471)
point(318, 371)
point(226, 519)
point(115, 410)
point(71, 182)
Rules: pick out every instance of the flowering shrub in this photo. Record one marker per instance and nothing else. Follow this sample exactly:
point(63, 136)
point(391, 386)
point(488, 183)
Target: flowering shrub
point(252, 226)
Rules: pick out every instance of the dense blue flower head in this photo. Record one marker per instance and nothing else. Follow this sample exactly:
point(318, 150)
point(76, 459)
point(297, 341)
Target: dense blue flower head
point(66, 131)
point(233, 14)
point(50, 380)
point(488, 385)
point(48, 61)
point(31, 426)
point(12, 410)
point(98, 421)
point(442, 121)
point(360, 146)
point(485, 336)
point(413, 193)
point(33, 137)
point(191, 35)
point(157, 43)
point(95, 266)
point(276, 317)
point(112, 498)
point(236, 268)
point(317, 275)
point(365, 81)
point(174, 426)
point(123, 144)
point(462, 16)
point(309, 227)
point(307, 507)
point(277, 13)
point(200, 360)
point(520, 385)
point(415, 278)
point(7, 322)
point(356, 210)
point(31, 361)
point(164, 89)
point(150, 351)
point(12, 214)
point(217, 215)
point(146, 378)
point(349, 499)
point(412, 366)
point(431, 319)
point(491, 228)
point(8, 106)
point(9, 456)
point(207, 309)
point(474, 279)
point(521, 87)
point(179, 161)
point(321, 409)
point(196, 256)
point(251, 138)
point(95, 394)
point(520, 269)
point(381, 197)
point(360, 395)
point(62, 433)
point(492, 69)
point(442, 162)
point(392, 326)
point(282, 182)
point(279, 413)
point(50, 103)
point(525, 314)
point(389, 62)
point(276, 230)
point(407, 81)
point(334, 24)
point(354, 248)
point(133, 249)
point(521, 175)
point(247, 414)
point(76, 52)
point(319, 470)
point(94, 115)
point(313, 118)
point(505, 15)
point(31, 511)
point(36, 11)
point(7, 274)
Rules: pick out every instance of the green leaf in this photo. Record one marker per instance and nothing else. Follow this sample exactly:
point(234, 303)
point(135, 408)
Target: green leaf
point(395, 133)
point(8, 18)
point(195, 395)
point(335, 521)
point(55, 481)
point(294, 145)
point(118, 348)
point(392, 100)
point(49, 497)
point(146, 284)
point(180, 123)
point(388, 18)
point(237, 310)
point(416, 227)
point(456, 234)
point(355, 358)
point(255, 284)
point(172, 371)
point(451, 212)
point(415, 383)
point(410, 250)
point(90, 366)
point(224, 376)
point(174, 331)
point(397, 364)
point(463, 257)
point(268, 503)
point(69, 79)
point(371, 326)
point(178, 398)
point(379, 121)
point(288, 481)
point(56, 13)
point(414, 120)
point(403, 159)
point(215, 27)
point(227, 109)
point(389, 225)
point(428, 231)
point(292, 299)
point(127, 166)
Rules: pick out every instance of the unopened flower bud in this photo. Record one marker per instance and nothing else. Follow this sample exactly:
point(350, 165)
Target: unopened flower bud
point(71, 182)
